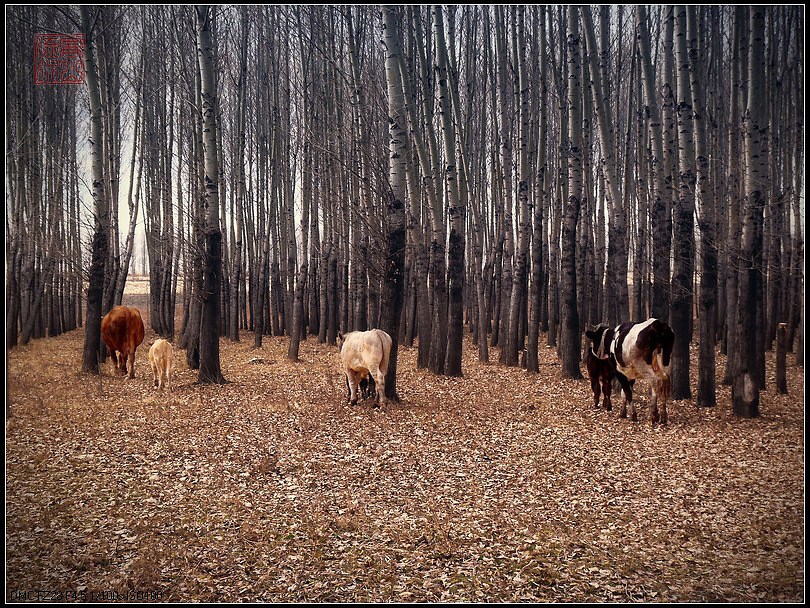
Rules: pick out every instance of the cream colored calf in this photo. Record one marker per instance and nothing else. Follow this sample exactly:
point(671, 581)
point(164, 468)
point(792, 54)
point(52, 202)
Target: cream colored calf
point(364, 354)
point(161, 361)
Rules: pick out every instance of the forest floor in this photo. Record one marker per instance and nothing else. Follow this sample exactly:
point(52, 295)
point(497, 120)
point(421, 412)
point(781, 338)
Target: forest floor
point(498, 486)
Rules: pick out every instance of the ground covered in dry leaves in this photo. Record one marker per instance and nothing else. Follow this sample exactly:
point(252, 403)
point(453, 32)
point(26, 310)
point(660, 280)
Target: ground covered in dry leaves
point(497, 486)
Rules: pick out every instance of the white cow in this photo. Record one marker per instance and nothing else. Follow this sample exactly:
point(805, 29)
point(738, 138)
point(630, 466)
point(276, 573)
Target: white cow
point(161, 362)
point(364, 354)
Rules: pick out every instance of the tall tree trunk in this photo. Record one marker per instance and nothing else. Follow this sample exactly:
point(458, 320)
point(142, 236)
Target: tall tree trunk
point(659, 306)
point(95, 290)
point(210, 372)
point(616, 286)
point(706, 393)
point(236, 273)
point(456, 210)
point(745, 388)
point(683, 241)
point(395, 210)
point(540, 185)
point(569, 318)
point(735, 178)
point(524, 219)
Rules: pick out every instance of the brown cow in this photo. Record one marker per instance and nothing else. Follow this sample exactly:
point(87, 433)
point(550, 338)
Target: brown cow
point(161, 361)
point(122, 331)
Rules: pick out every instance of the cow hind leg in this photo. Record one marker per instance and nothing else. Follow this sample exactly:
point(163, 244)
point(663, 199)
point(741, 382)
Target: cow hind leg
point(154, 373)
point(351, 380)
point(633, 412)
point(654, 403)
point(379, 382)
point(627, 388)
point(606, 386)
point(661, 396)
point(122, 363)
point(131, 360)
point(595, 389)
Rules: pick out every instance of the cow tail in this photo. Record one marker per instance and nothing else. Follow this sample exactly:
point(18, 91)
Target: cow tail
point(385, 355)
point(660, 365)
point(664, 386)
point(667, 342)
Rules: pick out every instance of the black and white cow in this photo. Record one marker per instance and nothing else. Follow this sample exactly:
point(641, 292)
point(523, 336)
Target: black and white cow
point(639, 350)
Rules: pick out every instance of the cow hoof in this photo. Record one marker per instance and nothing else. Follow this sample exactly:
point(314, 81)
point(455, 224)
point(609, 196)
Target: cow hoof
point(353, 402)
point(634, 417)
point(609, 407)
point(623, 414)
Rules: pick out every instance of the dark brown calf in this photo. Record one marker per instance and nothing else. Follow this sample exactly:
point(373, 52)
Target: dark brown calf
point(600, 371)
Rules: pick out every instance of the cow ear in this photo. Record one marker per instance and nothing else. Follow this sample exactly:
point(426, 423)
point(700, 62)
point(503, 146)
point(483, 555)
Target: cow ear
point(590, 334)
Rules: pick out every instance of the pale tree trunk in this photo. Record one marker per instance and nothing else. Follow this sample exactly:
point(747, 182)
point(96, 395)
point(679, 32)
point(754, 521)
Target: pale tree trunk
point(735, 178)
point(236, 267)
point(670, 117)
point(569, 318)
point(795, 293)
point(395, 259)
point(196, 213)
point(511, 345)
point(616, 285)
point(745, 387)
point(362, 143)
point(137, 150)
point(465, 183)
point(536, 289)
point(438, 267)
point(706, 393)
point(683, 238)
point(95, 291)
point(560, 195)
point(456, 211)
point(659, 304)
point(505, 167)
point(421, 261)
point(109, 56)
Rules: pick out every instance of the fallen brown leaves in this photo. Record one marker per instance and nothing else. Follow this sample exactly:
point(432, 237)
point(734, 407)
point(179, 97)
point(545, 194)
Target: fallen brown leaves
point(498, 486)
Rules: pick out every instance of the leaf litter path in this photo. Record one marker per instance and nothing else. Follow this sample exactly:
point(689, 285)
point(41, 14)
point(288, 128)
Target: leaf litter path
point(498, 486)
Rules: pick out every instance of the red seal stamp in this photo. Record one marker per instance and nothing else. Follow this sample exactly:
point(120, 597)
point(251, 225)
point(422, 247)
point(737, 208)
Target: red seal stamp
point(59, 58)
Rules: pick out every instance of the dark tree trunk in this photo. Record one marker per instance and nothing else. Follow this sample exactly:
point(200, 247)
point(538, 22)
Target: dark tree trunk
point(212, 274)
point(569, 317)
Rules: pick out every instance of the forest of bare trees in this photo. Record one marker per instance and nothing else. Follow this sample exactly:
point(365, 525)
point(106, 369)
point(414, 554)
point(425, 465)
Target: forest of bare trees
point(519, 173)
